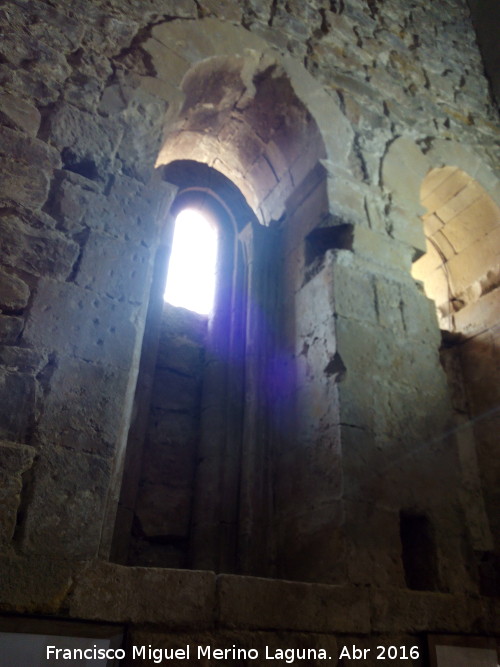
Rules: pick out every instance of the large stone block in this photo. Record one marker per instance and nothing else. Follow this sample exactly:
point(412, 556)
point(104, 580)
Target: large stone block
point(15, 459)
point(73, 196)
point(130, 211)
point(253, 603)
point(419, 316)
point(17, 391)
point(90, 141)
point(175, 392)
point(173, 429)
point(113, 268)
point(33, 585)
point(479, 316)
point(136, 211)
point(75, 321)
point(179, 322)
point(22, 148)
point(84, 407)
point(21, 359)
point(180, 355)
point(24, 184)
point(352, 289)
point(14, 293)
point(177, 599)
point(382, 250)
point(41, 252)
point(399, 610)
point(111, 35)
point(164, 509)
point(10, 328)
point(169, 462)
point(311, 537)
point(141, 142)
point(20, 114)
point(68, 494)
point(373, 544)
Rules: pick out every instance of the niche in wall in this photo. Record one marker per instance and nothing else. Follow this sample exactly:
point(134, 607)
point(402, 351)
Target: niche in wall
point(418, 552)
point(187, 362)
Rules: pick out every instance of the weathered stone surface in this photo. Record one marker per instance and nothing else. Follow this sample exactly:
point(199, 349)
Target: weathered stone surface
point(26, 168)
point(171, 598)
point(75, 321)
point(83, 409)
point(14, 293)
point(117, 32)
point(45, 61)
point(21, 359)
point(33, 585)
point(176, 504)
point(172, 428)
point(179, 322)
point(172, 391)
point(181, 355)
point(73, 196)
point(23, 184)
point(68, 492)
point(15, 459)
point(42, 92)
point(41, 252)
point(117, 269)
point(18, 405)
point(49, 24)
point(253, 603)
point(90, 142)
point(131, 210)
point(10, 328)
point(137, 211)
point(399, 610)
point(17, 146)
point(395, 91)
point(19, 114)
point(140, 144)
point(373, 539)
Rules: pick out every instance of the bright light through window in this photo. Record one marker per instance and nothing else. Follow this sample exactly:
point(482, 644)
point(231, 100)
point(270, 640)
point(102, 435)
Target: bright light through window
point(191, 272)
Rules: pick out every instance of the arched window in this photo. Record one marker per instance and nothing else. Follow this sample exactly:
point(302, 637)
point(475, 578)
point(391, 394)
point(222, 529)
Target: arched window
point(193, 262)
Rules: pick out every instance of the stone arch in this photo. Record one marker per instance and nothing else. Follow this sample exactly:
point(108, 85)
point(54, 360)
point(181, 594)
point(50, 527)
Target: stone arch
point(453, 179)
point(462, 262)
point(260, 120)
point(457, 196)
point(230, 82)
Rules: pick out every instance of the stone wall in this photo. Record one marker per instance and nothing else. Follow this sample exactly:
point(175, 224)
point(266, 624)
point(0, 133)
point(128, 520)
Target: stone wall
point(166, 483)
point(360, 433)
point(171, 608)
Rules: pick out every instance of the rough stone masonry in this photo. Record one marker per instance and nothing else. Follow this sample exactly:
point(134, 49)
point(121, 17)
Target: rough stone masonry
point(316, 465)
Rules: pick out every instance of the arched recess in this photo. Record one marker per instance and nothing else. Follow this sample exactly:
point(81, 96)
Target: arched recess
point(239, 110)
point(462, 262)
point(457, 197)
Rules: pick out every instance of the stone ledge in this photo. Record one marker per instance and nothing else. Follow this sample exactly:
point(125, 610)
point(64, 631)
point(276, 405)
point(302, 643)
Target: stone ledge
point(35, 585)
point(255, 603)
point(401, 610)
point(201, 601)
point(171, 598)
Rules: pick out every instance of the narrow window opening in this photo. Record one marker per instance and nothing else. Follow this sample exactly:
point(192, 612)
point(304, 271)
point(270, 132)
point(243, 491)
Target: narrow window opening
point(418, 552)
point(193, 263)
